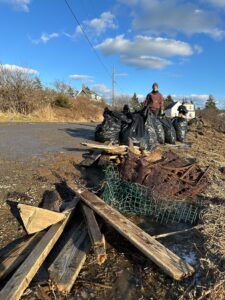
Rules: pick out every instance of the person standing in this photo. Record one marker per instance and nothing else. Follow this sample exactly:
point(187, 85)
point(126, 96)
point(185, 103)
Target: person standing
point(154, 100)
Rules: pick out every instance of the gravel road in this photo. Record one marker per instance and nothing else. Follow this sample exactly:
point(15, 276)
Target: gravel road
point(20, 141)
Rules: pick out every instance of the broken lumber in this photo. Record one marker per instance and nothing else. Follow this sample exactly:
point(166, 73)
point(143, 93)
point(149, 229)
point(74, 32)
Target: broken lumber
point(113, 149)
point(12, 259)
point(169, 262)
point(36, 219)
point(67, 265)
point(97, 238)
point(21, 279)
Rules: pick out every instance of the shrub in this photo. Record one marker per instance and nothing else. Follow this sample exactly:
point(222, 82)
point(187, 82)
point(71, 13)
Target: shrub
point(62, 101)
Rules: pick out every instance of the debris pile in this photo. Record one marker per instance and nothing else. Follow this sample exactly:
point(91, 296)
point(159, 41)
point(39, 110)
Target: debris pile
point(63, 238)
point(142, 127)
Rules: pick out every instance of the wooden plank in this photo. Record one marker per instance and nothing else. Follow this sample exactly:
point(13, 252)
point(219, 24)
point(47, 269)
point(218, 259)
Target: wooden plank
point(36, 219)
point(21, 279)
point(97, 238)
point(67, 265)
point(11, 260)
point(114, 149)
point(169, 262)
point(90, 160)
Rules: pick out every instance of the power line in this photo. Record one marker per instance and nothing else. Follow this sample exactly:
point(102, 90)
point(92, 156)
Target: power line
point(87, 38)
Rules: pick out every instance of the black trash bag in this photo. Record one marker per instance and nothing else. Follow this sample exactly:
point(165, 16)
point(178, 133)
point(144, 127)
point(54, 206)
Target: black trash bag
point(159, 131)
point(134, 130)
point(181, 126)
point(170, 132)
point(151, 133)
point(110, 128)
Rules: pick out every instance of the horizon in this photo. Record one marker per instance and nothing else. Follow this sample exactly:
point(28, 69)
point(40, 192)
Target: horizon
point(183, 53)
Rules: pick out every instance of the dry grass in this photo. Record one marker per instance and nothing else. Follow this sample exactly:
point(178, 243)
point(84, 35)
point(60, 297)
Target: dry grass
point(82, 110)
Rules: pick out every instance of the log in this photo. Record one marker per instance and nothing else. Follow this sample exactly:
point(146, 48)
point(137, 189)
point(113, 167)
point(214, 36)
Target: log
point(97, 238)
point(21, 279)
point(169, 262)
point(36, 219)
point(67, 265)
point(12, 259)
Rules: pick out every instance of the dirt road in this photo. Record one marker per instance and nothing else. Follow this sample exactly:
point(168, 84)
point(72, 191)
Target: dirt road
point(20, 141)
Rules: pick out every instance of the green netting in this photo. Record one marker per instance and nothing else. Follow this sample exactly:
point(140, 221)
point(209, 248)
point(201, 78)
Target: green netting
point(136, 199)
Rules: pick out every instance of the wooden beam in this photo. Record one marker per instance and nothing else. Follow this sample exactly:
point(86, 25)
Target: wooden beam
point(97, 238)
point(36, 219)
point(67, 265)
point(169, 262)
point(12, 259)
point(21, 279)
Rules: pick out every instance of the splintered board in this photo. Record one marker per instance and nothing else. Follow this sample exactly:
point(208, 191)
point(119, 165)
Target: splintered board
point(169, 262)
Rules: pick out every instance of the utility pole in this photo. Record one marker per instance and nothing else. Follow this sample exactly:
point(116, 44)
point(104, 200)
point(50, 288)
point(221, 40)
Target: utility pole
point(113, 86)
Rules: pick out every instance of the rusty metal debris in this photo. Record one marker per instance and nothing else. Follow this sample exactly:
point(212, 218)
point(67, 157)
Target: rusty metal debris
point(170, 176)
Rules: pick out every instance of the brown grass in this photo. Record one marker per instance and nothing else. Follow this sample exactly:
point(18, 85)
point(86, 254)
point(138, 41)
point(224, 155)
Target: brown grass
point(82, 110)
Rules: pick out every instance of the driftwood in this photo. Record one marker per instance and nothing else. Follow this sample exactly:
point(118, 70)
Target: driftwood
point(169, 262)
point(20, 280)
point(36, 219)
point(97, 238)
point(67, 265)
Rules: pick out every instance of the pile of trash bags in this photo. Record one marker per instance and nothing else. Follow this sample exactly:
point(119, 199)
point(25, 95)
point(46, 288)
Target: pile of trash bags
point(142, 127)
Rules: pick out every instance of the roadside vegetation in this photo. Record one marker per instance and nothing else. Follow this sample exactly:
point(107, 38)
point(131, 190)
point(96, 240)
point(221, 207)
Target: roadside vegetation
point(24, 98)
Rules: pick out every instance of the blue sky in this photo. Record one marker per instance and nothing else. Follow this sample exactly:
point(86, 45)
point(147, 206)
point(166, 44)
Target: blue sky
point(179, 44)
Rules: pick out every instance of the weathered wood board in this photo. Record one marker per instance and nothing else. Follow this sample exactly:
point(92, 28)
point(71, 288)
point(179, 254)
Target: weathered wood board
point(169, 262)
point(67, 265)
point(36, 219)
point(97, 238)
point(21, 279)
point(11, 260)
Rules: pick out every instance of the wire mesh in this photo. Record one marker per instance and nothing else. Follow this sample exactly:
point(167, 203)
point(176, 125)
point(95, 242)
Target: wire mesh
point(133, 198)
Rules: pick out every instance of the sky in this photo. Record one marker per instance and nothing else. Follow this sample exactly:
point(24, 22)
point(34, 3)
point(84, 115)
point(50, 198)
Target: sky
point(177, 43)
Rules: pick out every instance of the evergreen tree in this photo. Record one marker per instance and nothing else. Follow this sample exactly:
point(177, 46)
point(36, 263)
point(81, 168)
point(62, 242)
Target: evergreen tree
point(210, 102)
point(168, 100)
point(134, 101)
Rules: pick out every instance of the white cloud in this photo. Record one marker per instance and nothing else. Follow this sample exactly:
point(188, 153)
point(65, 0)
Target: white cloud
point(145, 51)
point(15, 68)
point(145, 45)
point(45, 37)
point(82, 77)
point(172, 16)
point(98, 26)
point(21, 5)
point(219, 3)
point(146, 62)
